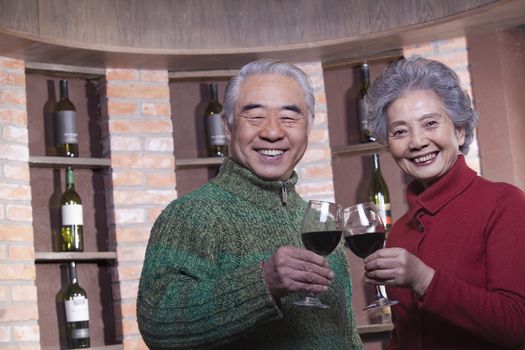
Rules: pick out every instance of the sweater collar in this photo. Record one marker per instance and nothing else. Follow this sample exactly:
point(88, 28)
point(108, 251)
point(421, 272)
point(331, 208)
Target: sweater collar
point(240, 181)
point(433, 198)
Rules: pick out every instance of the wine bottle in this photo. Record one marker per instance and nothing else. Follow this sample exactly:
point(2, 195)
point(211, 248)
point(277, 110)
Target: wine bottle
point(72, 218)
point(362, 109)
point(66, 136)
point(378, 192)
point(215, 136)
point(77, 312)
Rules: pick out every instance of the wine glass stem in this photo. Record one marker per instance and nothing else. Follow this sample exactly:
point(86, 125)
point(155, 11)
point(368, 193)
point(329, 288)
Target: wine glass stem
point(379, 294)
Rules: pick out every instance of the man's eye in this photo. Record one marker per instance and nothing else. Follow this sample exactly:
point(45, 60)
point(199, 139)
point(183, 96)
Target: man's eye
point(431, 123)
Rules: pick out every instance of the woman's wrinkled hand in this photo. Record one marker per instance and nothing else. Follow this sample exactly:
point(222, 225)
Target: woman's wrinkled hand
point(292, 270)
point(396, 267)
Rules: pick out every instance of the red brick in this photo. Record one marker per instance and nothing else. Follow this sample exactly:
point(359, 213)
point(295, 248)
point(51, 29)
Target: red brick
point(129, 272)
point(12, 97)
point(5, 294)
point(16, 171)
point(159, 144)
point(116, 108)
point(135, 234)
point(158, 108)
point(24, 293)
point(19, 312)
point(26, 333)
point(141, 197)
point(318, 136)
point(17, 272)
point(131, 253)
point(13, 116)
point(307, 190)
point(19, 212)
point(5, 334)
point(16, 232)
point(14, 152)
point(315, 172)
point(123, 143)
point(137, 91)
point(128, 290)
point(129, 216)
point(15, 79)
point(160, 76)
point(121, 74)
point(140, 126)
point(160, 180)
point(134, 344)
point(15, 192)
point(130, 326)
point(128, 309)
point(12, 63)
point(150, 161)
point(316, 154)
point(153, 214)
point(128, 178)
point(21, 252)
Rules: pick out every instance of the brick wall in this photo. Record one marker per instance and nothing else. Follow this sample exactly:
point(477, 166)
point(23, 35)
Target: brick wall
point(137, 136)
point(18, 299)
point(315, 169)
point(453, 53)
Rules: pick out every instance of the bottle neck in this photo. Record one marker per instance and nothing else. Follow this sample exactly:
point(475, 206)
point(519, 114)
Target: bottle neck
point(213, 92)
point(70, 179)
point(63, 89)
point(365, 76)
point(73, 273)
point(375, 163)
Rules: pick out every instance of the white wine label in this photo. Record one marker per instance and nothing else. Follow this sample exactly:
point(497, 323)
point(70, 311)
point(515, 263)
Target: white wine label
point(65, 127)
point(80, 333)
point(362, 111)
point(215, 132)
point(77, 309)
point(72, 214)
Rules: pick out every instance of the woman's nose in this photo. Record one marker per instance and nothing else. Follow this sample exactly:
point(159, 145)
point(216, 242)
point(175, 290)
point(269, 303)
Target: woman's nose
point(418, 139)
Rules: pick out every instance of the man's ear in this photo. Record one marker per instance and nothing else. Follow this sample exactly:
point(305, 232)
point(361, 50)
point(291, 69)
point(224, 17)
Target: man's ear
point(226, 126)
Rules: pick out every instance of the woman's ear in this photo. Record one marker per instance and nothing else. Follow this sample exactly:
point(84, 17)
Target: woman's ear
point(460, 136)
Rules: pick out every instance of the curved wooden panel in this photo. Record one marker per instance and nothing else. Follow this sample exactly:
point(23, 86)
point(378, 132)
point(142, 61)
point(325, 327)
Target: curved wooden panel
point(222, 34)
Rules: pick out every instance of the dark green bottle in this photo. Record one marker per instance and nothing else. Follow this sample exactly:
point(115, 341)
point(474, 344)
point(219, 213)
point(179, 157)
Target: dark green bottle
point(378, 192)
point(215, 137)
point(71, 229)
point(66, 136)
point(77, 312)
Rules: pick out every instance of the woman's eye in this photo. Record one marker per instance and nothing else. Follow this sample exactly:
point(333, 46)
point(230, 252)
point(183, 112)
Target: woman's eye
point(399, 132)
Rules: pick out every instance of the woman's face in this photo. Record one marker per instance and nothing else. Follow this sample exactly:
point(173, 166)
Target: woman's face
point(422, 139)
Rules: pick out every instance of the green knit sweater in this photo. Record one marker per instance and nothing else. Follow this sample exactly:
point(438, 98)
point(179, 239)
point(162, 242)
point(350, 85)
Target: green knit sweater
point(202, 283)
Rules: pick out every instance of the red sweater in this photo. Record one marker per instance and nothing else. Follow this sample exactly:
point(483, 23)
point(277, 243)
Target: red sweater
point(471, 231)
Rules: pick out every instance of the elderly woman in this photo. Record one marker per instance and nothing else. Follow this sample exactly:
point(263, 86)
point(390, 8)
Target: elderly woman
point(455, 261)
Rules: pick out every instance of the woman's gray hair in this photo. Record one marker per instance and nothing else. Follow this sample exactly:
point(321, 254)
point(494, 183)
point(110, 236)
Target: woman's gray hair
point(268, 66)
point(418, 73)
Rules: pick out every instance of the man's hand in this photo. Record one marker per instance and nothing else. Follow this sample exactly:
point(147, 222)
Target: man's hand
point(292, 270)
point(396, 267)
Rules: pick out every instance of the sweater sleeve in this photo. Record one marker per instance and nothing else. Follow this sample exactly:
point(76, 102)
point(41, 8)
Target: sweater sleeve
point(497, 312)
point(184, 300)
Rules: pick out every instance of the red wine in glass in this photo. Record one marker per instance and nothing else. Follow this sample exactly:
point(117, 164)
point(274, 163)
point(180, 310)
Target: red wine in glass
point(321, 231)
point(364, 233)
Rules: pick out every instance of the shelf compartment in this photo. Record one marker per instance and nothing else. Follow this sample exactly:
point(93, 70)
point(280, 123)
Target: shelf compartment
point(62, 162)
point(74, 256)
point(361, 148)
point(197, 162)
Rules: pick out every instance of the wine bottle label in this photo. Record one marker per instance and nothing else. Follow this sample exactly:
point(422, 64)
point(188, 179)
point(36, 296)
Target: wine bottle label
point(216, 135)
point(65, 127)
point(80, 333)
point(362, 110)
point(72, 214)
point(386, 214)
point(77, 309)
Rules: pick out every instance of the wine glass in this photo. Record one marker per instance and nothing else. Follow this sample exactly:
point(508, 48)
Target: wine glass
point(364, 233)
point(321, 231)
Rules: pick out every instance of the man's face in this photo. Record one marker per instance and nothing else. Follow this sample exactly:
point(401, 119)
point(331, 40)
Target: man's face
point(269, 134)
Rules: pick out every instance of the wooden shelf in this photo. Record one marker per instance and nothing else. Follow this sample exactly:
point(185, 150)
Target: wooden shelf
point(197, 162)
point(62, 162)
point(362, 148)
point(70, 256)
point(375, 328)
point(105, 347)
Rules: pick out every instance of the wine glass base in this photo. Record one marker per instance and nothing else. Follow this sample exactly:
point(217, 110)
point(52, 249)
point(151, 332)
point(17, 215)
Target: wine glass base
point(312, 302)
point(382, 302)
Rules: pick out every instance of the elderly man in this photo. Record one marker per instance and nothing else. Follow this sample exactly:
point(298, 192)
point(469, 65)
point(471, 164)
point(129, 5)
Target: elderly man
point(225, 262)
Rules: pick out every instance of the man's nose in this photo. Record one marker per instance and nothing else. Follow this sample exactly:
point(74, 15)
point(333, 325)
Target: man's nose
point(272, 129)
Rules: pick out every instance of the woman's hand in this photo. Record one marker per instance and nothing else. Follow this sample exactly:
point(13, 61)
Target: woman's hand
point(292, 270)
point(396, 267)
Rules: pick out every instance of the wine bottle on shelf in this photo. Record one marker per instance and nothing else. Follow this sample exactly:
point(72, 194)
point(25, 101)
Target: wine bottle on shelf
point(66, 136)
point(215, 136)
point(378, 192)
point(362, 109)
point(77, 312)
point(72, 239)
